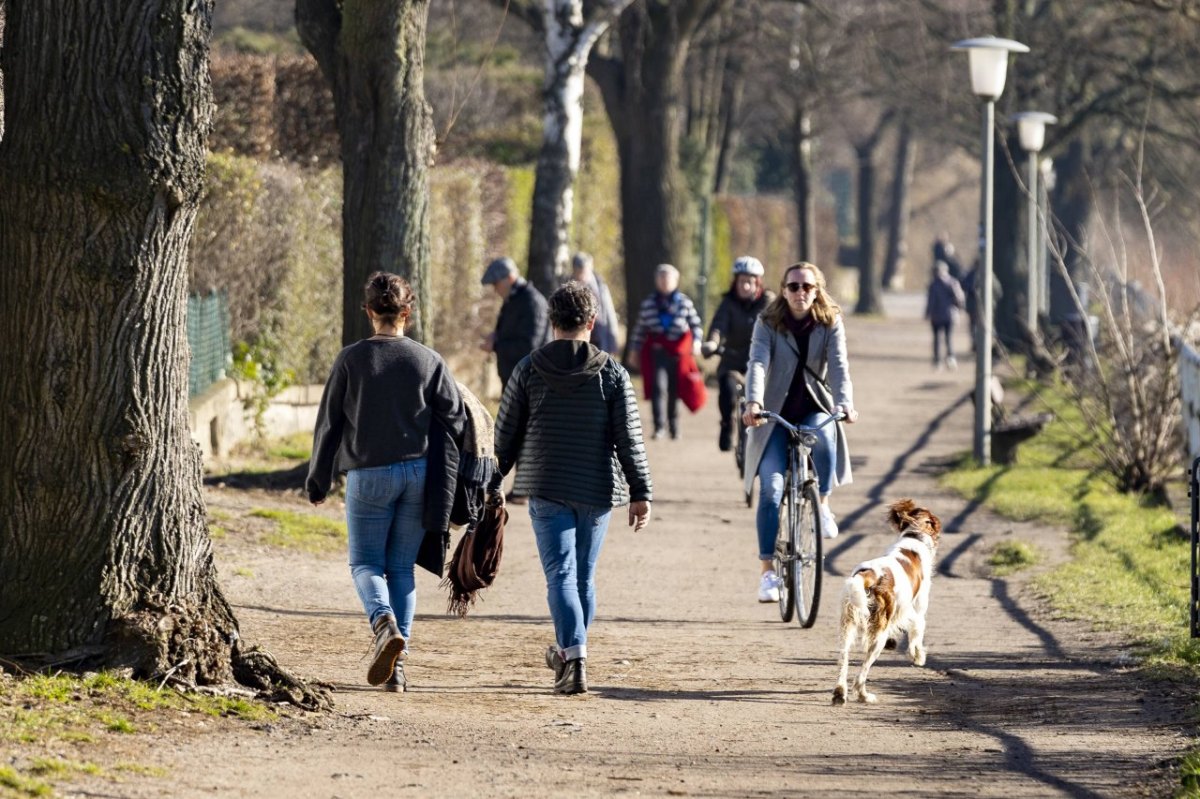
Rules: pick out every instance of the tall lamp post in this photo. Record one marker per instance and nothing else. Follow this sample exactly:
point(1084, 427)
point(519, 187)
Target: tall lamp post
point(1031, 130)
point(989, 66)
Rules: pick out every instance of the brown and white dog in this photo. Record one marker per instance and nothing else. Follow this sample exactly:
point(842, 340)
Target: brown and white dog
point(887, 595)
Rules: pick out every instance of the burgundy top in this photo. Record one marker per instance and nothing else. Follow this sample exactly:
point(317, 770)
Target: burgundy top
point(799, 404)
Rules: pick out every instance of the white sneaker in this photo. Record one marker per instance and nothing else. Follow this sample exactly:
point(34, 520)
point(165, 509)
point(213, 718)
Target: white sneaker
point(768, 587)
point(829, 528)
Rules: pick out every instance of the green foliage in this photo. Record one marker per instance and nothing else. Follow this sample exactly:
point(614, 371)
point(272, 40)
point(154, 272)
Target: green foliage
point(519, 211)
point(257, 364)
point(303, 531)
point(1130, 566)
point(596, 224)
point(1009, 557)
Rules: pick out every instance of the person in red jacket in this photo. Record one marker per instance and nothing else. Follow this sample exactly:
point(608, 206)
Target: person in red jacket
point(667, 337)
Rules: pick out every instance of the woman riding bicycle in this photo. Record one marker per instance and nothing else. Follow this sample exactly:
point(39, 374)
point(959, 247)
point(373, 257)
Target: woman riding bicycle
point(803, 390)
point(729, 334)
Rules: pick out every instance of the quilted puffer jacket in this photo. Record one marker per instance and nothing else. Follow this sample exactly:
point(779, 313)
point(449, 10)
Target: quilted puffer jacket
point(569, 422)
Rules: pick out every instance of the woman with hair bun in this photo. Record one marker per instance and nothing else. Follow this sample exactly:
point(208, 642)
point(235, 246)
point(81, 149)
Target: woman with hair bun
point(569, 417)
point(373, 424)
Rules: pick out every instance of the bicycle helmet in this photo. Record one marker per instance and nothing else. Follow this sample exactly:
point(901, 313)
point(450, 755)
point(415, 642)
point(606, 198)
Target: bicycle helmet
point(748, 265)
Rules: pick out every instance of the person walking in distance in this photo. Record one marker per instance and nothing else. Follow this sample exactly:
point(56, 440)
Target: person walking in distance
point(730, 332)
point(521, 325)
point(800, 370)
point(569, 419)
point(667, 328)
point(945, 297)
point(604, 335)
point(373, 424)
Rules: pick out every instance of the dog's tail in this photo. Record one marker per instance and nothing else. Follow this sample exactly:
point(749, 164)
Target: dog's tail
point(856, 611)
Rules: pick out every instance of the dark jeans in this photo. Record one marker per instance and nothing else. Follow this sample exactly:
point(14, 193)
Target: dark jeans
point(664, 400)
point(727, 399)
point(941, 332)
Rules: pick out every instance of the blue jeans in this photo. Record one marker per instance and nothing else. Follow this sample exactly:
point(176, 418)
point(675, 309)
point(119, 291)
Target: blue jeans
point(569, 535)
point(383, 519)
point(770, 476)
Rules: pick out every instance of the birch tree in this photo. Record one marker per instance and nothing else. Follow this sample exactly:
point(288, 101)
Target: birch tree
point(569, 35)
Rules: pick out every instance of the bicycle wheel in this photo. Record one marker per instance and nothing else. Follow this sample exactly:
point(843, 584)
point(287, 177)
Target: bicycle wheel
point(809, 561)
point(785, 557)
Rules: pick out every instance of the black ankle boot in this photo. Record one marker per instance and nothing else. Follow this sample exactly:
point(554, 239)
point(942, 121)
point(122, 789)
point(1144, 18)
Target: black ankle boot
point(725, 440)
point(397, 683)
point(388, 646)
point(573, 679)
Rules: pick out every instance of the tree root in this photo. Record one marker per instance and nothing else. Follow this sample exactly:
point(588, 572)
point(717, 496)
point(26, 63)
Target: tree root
point(257, 668)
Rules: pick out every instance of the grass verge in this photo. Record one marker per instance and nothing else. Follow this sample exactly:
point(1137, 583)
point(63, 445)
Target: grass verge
point(1130, 569)
point(56, 728)
point(303, 531)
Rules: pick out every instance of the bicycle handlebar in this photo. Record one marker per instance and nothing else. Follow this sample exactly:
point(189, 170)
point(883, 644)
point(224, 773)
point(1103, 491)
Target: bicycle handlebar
point(770, 416)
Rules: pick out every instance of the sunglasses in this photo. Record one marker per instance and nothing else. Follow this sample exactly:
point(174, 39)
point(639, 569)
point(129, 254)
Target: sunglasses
point(796, 288)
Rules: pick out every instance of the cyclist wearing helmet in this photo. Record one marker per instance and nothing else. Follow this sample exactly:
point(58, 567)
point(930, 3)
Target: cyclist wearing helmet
point(729, 334)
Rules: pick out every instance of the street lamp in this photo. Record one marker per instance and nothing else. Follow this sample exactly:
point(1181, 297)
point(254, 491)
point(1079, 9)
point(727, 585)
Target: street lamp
point(1031, 130)
point(989, 66)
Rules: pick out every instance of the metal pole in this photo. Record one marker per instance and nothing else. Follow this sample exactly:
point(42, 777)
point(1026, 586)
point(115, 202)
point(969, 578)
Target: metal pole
point(1033, 282)
point(1194, 494)
point(983, 287)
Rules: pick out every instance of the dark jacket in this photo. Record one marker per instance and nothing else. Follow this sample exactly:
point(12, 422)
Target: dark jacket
point(570, 418)
point(734, 320)
point(521, 327)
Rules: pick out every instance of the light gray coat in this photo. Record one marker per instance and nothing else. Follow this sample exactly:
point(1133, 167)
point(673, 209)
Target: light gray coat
point(774, 358)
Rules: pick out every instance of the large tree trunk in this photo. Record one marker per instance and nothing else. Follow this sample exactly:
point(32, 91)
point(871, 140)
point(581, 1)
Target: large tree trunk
point(1072, 204)
point(802, 186)
point(870, 287)
point(642, 97)
point(373, 53)
point(104, 555)
point(899, 212)
point(1008, 244)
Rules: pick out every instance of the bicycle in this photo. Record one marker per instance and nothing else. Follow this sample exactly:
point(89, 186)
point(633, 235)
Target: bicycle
point(798, 560)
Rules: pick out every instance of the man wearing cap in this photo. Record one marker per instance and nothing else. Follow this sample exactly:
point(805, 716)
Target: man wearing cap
point(604, 334)
point(522, 325)
point(729, 334)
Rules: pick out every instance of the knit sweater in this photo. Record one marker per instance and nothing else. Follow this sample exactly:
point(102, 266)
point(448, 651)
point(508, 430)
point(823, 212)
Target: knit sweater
point(378, 402)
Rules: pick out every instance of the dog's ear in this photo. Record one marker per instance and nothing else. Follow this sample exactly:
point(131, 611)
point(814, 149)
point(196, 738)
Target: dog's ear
point(935, 524)
point(900, 513)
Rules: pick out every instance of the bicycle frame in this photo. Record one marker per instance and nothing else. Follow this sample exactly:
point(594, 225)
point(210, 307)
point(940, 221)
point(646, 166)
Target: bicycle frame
point(794, 558)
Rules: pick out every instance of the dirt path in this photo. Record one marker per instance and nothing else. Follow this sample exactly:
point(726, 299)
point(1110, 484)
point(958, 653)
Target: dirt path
point(696, 688)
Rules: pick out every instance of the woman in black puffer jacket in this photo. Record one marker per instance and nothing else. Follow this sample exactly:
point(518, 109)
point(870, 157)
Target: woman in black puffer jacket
point(570, 418)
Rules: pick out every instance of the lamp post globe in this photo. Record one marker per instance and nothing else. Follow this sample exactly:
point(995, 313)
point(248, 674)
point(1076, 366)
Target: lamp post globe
point(1031, 130)
point(988, 60)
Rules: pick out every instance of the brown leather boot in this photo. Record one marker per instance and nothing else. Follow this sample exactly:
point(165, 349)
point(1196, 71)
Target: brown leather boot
point(388, 646)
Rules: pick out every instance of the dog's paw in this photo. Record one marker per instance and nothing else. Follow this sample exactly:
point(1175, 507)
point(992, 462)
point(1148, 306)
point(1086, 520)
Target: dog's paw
point(868, 698)
point(839, 695)
point(918, 657)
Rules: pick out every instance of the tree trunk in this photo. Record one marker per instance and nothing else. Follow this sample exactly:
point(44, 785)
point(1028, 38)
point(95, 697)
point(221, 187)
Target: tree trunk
point(1008, 244)
point(373, 54)
point(104, 554)
point(641, 91)
point(806, 204)
point(870, 288)
point(899, 212)
point(1071, 202)
point(568, 44)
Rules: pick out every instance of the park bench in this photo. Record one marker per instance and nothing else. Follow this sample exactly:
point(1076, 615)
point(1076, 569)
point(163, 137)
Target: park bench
point(1009, 430)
